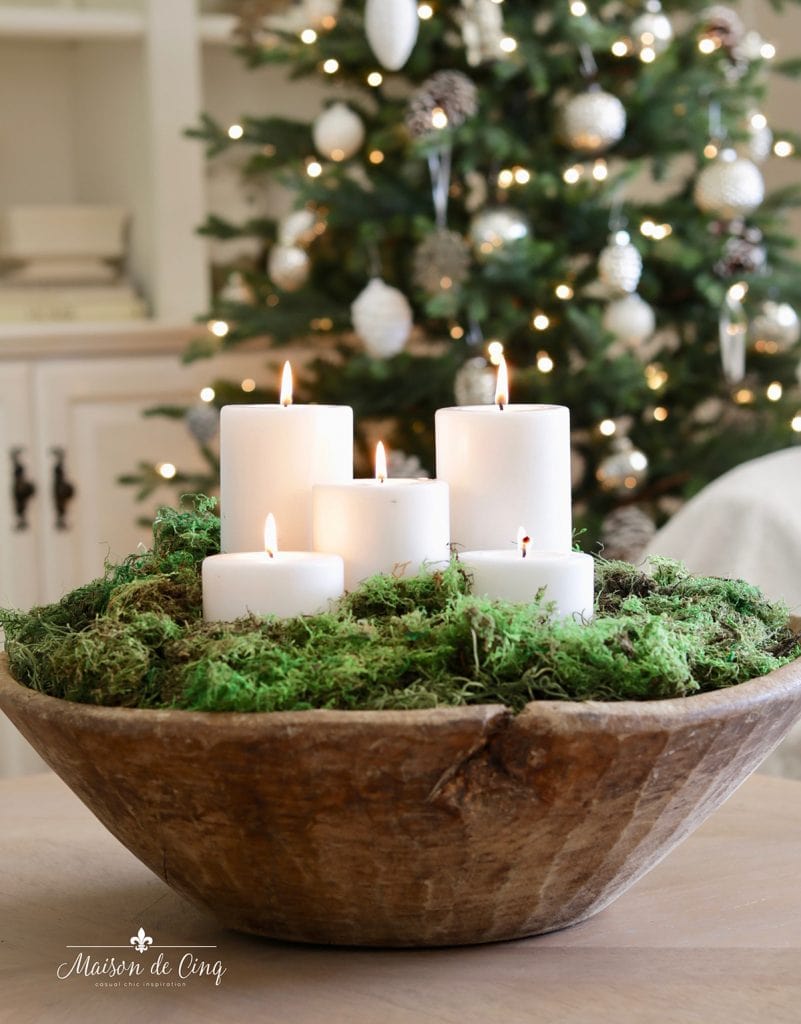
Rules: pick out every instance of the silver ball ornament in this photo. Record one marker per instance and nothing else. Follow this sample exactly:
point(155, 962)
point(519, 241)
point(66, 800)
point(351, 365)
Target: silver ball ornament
point(495, 231)
point(624, 469)
point(338, 132)
point(288, 267)
point(730, 186)
point(298, 228)
point(382, 317)
point(630, 319)
point(203, 422)
point(474, 383)
point(593, 121)
point(620, 263)
point(775, 328)
point(653, 29)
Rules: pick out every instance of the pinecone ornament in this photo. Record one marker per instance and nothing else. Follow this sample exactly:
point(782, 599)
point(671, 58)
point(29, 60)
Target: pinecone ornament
point(620, 263)
point(451, 92)
point(441, 261)
point(743, 255)
point(626, 533)
point(723, 26)
point(203, 422)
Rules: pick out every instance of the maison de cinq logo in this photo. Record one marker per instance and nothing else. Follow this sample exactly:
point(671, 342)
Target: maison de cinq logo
point(158, 970)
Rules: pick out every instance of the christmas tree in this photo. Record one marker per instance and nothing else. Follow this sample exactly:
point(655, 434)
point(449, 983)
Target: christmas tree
point(575, 187)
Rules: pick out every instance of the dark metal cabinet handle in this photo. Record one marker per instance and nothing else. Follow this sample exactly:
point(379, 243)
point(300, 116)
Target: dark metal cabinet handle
point(63, 489)
point(22, 489)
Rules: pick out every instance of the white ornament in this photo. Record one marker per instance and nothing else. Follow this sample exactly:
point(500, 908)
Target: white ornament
point(235, 289)
point(298, 228)
point(624, 469)
point(630, 319)
point(382, 317)
point(482, 30)
point(776, 327)
point(760, 137)
point(474, 383)
point(338, 132)
point(391, 29)
point(652, 29)
point(729, 186)
point(593, 121)
point(288, 267)
point(620, 263)
point(493, 231)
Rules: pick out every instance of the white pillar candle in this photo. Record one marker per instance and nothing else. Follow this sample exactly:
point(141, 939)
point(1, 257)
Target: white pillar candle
point(270, 456)
point(505, 465)
point(270, 582)
point(382, 525)
point(517, 576)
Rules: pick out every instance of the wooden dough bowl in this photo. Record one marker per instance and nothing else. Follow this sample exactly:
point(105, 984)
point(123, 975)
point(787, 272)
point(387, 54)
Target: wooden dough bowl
point(408, 828)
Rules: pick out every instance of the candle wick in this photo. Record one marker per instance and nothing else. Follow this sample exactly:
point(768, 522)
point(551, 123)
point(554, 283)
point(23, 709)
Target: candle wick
point(500, 406)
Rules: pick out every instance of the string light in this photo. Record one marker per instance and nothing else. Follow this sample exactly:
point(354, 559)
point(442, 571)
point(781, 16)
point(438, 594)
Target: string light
point(774, 391)
point(600, 171)
point(207, 394)
point(655, 376)
point(268, 150)
point(607, 427)
point(710, 150)
point(708, 45)
point(508, 44)
point(573, 174)
point(744, 396)
point(457, 332)
point(439, 119)
point(425, 11)
point(166, 470)
point(647, 54)
point(660, 414)
point(522, 176)
point(248, 385)
point(331, 66)
point(236, 131)
point(540, 322)
point(328, 22)
point(795, 423)
point(219, 328)
point(563, 292)
point(767, 51)
point(308, 36)
point(495, 351)
point(766, 347)
point(375, 78)
point(578, 8)
point(620, 48)
point(506, 178)
point(376, 156)
point(783, 148)
point(544, 362)
point(737, 291)
point(272, 300)
point(314, 169)
point(661, 231)
point(759, 121)
point(647, 228)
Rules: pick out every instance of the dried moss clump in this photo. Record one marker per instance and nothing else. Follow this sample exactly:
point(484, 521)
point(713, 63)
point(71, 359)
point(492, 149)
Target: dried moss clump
point(136, 638)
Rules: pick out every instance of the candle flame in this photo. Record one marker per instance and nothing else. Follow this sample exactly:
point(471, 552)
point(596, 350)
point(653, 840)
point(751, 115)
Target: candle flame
point(286, 385)
point(502, 386)
point(270, 534)
point(380, 462)
point(523, 542)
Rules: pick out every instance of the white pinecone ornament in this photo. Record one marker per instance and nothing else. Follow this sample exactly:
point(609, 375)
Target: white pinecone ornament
point(382, 317)
point(593, 121)
point(288, 267)
point(731, 186)
point(620, 263)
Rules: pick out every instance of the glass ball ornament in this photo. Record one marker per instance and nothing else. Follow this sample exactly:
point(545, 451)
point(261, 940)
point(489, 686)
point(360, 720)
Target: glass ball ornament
point(624, 469)
point(630, 319)
point(338, 132)
point(495, 231)
point(474, 383)
point(203, 422)
point(592, 121)
point(620, 263)
point(730, 186)
point(382, 317)
point(775, 328)
point(652, 29)
point(288, 267)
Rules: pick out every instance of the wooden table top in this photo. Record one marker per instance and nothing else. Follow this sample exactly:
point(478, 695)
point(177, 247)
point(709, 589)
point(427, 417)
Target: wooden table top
point(712, 935)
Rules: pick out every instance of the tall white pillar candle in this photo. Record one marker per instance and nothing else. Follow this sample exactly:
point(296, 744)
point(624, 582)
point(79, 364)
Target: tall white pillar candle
point(506, 465)
point(269, 582)
point(270, 457)
point(567, 576)
point(382, 525)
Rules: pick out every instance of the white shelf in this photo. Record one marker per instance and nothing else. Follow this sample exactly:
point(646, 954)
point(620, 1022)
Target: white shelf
point(69, 23)
point(39, 340)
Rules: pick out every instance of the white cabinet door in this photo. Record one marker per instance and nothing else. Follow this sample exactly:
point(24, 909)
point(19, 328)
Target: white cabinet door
point(19, 562)
point(92, 409)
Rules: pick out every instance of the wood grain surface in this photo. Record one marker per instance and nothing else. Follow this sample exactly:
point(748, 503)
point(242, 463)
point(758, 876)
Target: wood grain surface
point(711, 936)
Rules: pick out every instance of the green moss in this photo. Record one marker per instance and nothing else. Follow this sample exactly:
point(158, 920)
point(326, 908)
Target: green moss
point(136, 638)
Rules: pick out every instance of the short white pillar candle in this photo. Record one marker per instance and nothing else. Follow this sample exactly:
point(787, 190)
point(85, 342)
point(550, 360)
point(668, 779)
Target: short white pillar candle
point(270, 456)
point(382, 525)
point(270, 582)
point(518, 576)
point(505, 465)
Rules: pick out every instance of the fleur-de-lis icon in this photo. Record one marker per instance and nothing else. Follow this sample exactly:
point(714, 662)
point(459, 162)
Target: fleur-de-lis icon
point(141, 941)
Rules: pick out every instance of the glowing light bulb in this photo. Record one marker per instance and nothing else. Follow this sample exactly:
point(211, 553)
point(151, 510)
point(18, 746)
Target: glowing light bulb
point(375, 78)
point(219, 328)
point(508, 44)
point(425, 11)
point(308, 36)
point(783, 148)
point(248, 385)
point(331, 66)
point(314, 169)
point(166, 470)
point(207, 394)
point(495, 352)
point(563, 292)
point(607, 427)
point(544, 362)
point(540, 322)
point(439, 119)
point(620, 48)
point(774, 391)
point(235, 131)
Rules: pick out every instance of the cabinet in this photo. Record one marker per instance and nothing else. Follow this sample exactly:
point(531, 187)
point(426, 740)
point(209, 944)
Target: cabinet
point(85, 398)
